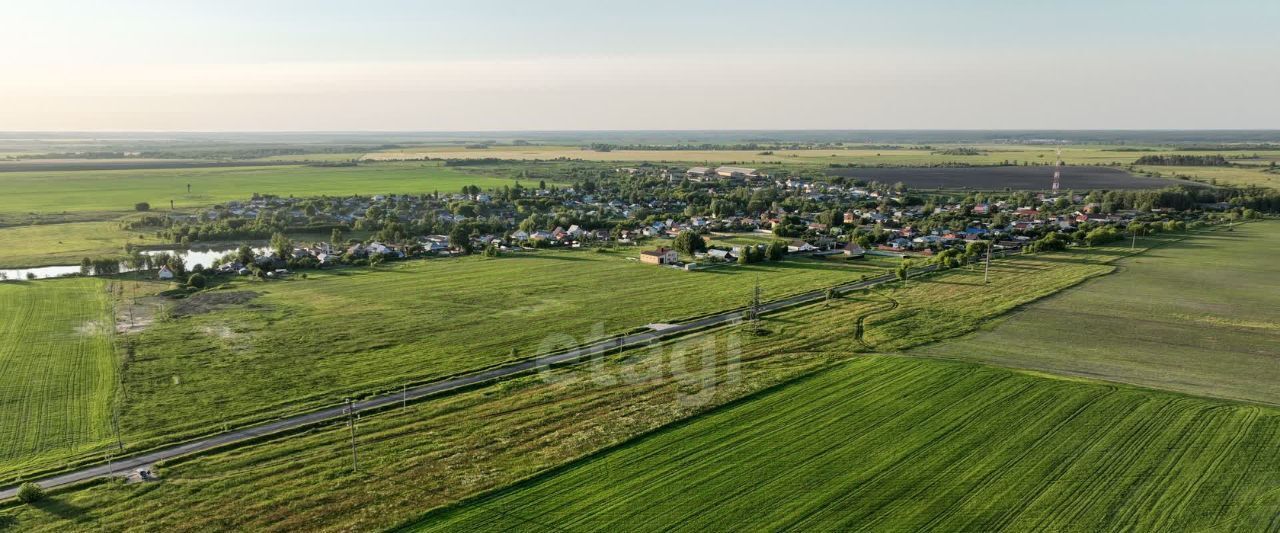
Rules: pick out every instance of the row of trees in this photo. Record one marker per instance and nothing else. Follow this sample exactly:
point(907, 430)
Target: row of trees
point(756, 253)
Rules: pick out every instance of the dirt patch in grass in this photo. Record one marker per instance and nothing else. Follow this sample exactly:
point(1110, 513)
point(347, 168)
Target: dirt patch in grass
point(205, 302)
point(137, 314)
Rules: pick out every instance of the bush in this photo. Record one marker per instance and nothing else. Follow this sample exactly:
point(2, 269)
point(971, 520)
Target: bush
point(196, 281)
point(30, 493)
point(142, 206)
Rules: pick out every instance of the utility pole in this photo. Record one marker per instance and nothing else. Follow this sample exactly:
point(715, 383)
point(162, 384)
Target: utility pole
point(986, 275)
point(351, 422)
point(755, 307)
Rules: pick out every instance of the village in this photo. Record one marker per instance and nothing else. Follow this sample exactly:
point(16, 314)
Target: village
point(650, 207)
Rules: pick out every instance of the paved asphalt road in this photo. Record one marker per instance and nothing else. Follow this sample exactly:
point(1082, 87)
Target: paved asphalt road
point(134, 463)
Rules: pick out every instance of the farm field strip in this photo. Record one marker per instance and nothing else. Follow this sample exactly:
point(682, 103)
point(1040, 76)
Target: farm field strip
point(1201, 316)
point(902, 444)
point(58, 370)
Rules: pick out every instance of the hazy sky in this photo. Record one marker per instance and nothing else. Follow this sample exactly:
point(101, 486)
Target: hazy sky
point(284, 65)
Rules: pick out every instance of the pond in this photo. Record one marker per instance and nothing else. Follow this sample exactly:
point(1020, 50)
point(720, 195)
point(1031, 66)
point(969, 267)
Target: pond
point(205, 257)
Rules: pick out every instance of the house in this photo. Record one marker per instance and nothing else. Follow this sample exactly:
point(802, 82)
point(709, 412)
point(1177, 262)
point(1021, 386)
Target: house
point(661, 256)
point(165, 273)
point(723, 255)
point(853, 250)
point(899, 243)
point(801, 246)
point(698, 172)
point(736, 172)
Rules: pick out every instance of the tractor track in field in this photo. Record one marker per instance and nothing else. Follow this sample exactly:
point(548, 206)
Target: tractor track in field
point(861, 329)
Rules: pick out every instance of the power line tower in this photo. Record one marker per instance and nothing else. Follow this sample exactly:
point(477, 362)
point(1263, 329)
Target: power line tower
point(1057, 171)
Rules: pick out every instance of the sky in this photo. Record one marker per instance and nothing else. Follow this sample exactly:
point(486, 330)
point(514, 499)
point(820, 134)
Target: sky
point(382, 65)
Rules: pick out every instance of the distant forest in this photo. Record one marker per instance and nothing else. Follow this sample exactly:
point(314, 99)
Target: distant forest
point(1183, 160)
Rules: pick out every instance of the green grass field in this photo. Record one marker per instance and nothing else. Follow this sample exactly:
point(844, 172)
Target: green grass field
point(1201, 316)
point(1242, 176)
point(114, 191)
point(989, 155)
point(290, 346)
point(437, 452)
point(894, 444)
point(65, 244)
point(440, 451)
point(302, 343)
point(58, 370)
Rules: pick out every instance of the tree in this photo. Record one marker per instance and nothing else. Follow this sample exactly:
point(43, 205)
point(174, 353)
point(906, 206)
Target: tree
point(86, 266)
point(776, 250)
point(196, 281)
point(689, 243)
point(142, 206)
point(281, 245)
point(335, 237)
point(460, 238)
point(903, 271)
point(244, 255)
point(30, 493)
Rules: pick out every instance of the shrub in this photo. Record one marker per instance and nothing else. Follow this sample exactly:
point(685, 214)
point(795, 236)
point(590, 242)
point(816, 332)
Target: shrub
point(30, 493)
point(197, 281)
point(142, 206)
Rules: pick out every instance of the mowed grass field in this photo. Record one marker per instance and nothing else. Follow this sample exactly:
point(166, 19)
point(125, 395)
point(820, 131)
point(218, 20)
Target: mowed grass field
point(65, 244)
point(894, 444)
point(118, 190)
point(1200, 316)
point(1242, 176)
point(438, 452)
point(290, 346)
point(58, 370)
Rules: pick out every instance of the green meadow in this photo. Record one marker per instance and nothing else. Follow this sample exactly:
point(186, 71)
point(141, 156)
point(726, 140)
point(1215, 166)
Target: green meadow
point(1246, 171)
point(893, 444)
point(66, 244)
point(441, 451)
point(116, 191)
point(1200, 316)
point(253, 350)
point(58, 370)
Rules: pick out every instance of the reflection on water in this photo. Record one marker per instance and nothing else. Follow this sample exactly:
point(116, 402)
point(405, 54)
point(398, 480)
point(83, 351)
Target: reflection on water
point(204, 257)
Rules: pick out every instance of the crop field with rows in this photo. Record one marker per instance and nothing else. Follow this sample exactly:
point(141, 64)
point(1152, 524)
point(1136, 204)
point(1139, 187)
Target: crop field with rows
point(58, 370)
point(889, 443)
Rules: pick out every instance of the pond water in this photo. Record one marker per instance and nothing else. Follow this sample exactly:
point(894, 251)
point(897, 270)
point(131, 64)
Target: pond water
point(205, 257)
